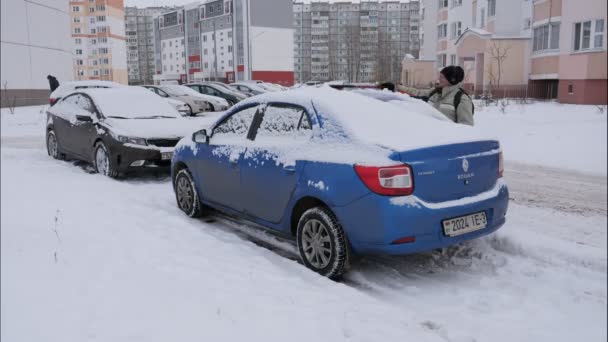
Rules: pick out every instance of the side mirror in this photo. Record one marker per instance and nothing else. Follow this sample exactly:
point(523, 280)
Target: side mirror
point(200, 137)
point(84, 118)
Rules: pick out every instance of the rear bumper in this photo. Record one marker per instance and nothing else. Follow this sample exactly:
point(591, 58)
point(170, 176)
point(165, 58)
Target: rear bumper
point(373, 222)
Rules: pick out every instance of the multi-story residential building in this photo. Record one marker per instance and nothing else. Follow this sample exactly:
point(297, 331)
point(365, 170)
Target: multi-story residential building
point(495, 50)
point(555, 49)
point(98, 36)
point(357, 42)
point(227, 40)
point(29, 53)
point(472, 35)
point(569, 49)
point(139, 31)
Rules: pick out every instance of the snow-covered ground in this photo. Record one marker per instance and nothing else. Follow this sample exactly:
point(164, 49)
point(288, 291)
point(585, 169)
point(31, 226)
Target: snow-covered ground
point(562, 136)
point(85, 258)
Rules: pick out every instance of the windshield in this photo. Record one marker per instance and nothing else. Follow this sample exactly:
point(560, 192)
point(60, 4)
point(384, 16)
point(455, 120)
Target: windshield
point(132, 103)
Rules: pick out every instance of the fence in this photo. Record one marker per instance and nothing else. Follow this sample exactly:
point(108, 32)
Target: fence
point(540, 90)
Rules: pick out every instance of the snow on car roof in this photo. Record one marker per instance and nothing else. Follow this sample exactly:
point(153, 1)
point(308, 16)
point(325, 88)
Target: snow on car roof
point(130, 102)
point(70, 86)
point(397, 127)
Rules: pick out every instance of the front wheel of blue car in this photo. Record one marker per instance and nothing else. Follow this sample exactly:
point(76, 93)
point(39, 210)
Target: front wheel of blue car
point(322, 243)
point(186, 195)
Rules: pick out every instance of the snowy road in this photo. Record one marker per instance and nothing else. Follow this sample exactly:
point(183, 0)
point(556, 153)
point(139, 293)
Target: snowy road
point(561, 190)
point(89, 258)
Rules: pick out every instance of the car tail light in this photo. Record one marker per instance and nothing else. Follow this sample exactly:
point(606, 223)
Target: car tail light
point(52, 101)
point(500, 165)
point(387, 180)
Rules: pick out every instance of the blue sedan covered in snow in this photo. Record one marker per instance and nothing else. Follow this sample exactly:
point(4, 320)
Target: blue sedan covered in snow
point(344, 173)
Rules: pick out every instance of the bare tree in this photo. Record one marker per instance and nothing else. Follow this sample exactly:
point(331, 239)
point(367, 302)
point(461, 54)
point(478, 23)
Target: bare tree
point(10, 102)
point(498, 53)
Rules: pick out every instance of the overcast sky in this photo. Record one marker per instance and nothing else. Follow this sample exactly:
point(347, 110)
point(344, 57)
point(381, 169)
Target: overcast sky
point(147, 3)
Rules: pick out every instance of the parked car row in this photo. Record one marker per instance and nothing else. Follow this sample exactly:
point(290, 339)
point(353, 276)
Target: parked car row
point(313, 164)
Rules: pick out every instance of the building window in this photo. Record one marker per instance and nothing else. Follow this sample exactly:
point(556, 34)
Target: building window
point(77, 30)
point(100, 7)
point(570, 89)
point(441, 60)
point(101, 18)
point(76, 19)
point(452, 59)
point(77, 41)
point(91, 9)
point(443, 3)
point(78, 51)
point(442, 31)
point(483, 18)
point(456, 29)
point(491, 8)
point(75, 8)
point(546, 37)
point(456, 3)
point(584, 31)
point(527, 23)
point(79, 62)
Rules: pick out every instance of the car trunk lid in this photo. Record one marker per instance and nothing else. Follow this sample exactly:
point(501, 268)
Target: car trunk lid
point(454, 171)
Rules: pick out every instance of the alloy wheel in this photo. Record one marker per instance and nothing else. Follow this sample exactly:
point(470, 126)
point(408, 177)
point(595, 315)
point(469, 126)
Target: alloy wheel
point(185, 195)
point(316, 243)
point(102, 162)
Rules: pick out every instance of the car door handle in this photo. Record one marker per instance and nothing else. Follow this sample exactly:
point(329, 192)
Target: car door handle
point(289, 168)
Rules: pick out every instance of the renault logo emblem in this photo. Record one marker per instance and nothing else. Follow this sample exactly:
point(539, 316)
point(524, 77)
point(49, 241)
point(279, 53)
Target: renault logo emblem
point(465, 165)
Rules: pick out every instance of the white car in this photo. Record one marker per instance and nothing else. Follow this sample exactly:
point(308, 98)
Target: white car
point(196, 101)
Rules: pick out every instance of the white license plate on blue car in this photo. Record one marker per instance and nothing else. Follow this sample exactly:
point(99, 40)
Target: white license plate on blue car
point(166, 155)
point(464, 224)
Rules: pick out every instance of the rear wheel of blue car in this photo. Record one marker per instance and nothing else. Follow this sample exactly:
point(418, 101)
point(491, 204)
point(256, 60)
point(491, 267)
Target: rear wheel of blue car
point(322, 243)
point(186, 195)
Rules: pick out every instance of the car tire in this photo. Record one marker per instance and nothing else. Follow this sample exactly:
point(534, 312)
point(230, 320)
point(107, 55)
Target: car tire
point(186, 194)
point(52, 146)
point(191, 112)
point(322, 243)
point(102, 161)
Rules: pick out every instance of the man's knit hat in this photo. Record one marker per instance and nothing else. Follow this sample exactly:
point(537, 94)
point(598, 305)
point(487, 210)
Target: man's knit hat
point(453, 73)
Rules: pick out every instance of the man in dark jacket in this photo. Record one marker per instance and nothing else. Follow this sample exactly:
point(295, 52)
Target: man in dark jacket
point(53, 83)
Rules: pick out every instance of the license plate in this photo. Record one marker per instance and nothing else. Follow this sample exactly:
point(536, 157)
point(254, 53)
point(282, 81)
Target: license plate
point(464, 224)
point(166, 155)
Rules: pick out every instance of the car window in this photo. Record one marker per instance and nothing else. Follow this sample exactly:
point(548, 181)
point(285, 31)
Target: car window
point(234, 128)
point(209, 90)
point(284, 121)
point(161, 93)
point(73, 105)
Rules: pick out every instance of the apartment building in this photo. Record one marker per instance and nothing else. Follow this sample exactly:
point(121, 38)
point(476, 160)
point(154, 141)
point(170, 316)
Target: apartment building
point(569, 49)
point(228, 40)
point(494, 51)
point(356, 42)
point(139, 33)
point(29, 53)
point(98, 36)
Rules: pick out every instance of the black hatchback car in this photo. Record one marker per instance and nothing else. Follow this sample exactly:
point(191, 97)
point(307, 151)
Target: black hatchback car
point(117, 130)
